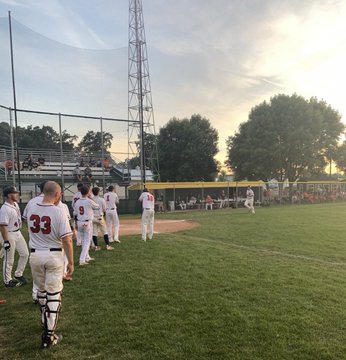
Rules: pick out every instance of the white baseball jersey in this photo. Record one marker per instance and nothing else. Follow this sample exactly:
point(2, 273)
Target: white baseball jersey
point(47, 225)
point(76, 197)
point(249, 194)
point(148, 201)
point(83, 208)
point(36, 200)
point(98, 213)
point(64, 207)
point(111, 199)
point(10, 216)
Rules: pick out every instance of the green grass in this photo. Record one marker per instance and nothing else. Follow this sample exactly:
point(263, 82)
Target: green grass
point(268, 286)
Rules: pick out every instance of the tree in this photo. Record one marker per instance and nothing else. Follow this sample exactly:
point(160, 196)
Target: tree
point(340, 157)
point(186, 150)
point(91, 142)
point(283, 138)
point(36, 137)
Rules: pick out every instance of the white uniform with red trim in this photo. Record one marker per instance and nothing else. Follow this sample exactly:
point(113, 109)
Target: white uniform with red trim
point(249, 200)
point(112, 218)
point(76, 197)
point(83, 209)
point(148, 204)
point(98, 221)
point(47, 225)
point(10, 217)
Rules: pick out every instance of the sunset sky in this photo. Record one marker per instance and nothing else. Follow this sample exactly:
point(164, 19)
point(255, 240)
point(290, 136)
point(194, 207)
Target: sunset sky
point(217, 58)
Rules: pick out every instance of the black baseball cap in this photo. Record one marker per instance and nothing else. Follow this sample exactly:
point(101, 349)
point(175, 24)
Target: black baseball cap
point(9, 190)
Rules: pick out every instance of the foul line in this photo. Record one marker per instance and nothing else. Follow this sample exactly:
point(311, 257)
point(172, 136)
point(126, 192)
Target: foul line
point(267, 251)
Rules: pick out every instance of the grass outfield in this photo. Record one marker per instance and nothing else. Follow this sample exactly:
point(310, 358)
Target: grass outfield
point(240, 286)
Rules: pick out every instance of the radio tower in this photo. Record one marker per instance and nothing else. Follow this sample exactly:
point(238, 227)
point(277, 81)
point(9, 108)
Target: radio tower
point(141, 128)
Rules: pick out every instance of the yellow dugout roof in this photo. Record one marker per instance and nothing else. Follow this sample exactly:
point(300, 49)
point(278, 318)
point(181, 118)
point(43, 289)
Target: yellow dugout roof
point(195, 185)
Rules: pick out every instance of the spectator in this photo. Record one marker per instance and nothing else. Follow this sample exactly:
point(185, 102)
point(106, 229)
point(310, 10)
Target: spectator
point(77, 173)
point(41, 160)
point(87, 172)
point(223, 199)
point(92, 162)
point(106, 163)
point(81, 163)
point(192, 202)
point(208, 203)
point(8, 166)
point(99, 163)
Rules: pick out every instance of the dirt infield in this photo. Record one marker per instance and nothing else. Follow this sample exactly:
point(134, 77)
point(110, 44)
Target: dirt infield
point(133, 226)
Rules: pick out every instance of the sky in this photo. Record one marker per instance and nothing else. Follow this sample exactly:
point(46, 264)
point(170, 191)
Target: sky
point(216, 58)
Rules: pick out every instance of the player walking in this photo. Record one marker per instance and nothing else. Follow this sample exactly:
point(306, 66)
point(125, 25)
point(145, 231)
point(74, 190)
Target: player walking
point(83, 209)
point(12, 239)
point(112, 219)
point(50, 233)
point(249, 200)
point(98, 221)
point(148, 204)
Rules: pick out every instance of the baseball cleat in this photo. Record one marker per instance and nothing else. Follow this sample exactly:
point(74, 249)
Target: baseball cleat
point(90, 259)
point(83, 263)
point(97, 248)
point(13, 284)
point(108, 247)
point(117, 240)
point(21, 279)
point(51, 341)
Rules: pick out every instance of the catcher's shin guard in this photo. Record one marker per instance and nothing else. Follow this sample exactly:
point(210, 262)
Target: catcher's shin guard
point(42, 300)
point(51, 313)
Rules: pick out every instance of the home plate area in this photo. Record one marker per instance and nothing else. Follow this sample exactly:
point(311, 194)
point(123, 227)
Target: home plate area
point(133, 226)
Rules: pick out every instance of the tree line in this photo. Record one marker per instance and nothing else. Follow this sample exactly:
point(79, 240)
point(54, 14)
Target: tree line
point(288, 137)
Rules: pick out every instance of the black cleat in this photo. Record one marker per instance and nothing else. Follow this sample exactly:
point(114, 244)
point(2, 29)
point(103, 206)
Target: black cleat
point(50, 341)
point(21, 279)
point(13, 284)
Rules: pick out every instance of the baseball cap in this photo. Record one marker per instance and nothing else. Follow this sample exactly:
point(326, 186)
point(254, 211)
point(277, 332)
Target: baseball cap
point(9, 190)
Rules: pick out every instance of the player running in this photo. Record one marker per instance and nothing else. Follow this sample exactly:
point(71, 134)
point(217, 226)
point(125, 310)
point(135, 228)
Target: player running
point(249, 200)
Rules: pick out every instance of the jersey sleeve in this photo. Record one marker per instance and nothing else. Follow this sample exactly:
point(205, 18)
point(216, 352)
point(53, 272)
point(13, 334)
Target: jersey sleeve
point(94, 206)
point(64, 225)
point(4, 218)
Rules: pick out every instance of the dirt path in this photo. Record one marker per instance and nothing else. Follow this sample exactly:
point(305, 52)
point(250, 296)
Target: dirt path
point(133, 226)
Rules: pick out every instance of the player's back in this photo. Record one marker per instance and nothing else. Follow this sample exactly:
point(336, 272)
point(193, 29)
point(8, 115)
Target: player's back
point(47, 223)
point(84, 209)
point(111, 199)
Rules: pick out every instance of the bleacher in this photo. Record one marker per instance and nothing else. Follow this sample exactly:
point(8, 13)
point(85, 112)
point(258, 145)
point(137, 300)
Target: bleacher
point(53, 169)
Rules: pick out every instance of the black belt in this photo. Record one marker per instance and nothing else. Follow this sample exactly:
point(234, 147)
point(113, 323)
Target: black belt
point(111, 209)
point(83, 220)
point(52, 249)
point(147, 209)
point(14, 230)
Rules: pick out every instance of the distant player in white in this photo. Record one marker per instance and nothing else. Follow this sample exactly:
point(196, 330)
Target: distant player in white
point(148, 204)
point(77, 196)
point(249, 200)
point(98, 221)
point(12, 239)
point(112, 219)
point(50, 233)
point(83, 209)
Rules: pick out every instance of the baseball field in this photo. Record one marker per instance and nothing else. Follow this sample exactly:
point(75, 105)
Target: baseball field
point(239, 286)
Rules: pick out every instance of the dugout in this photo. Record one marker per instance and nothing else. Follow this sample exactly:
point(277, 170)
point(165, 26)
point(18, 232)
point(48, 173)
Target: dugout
point(173, 194)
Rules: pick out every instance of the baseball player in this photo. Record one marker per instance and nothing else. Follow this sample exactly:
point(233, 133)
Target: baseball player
point(112, 219)
point(12, 239)
point(98, 221)
point(249, 200)
point(50, 233)
point(83, 209)
point(76, 197)
point(148, 204)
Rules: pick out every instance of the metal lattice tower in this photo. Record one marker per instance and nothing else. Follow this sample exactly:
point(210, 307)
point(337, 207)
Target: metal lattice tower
point(140, 106)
